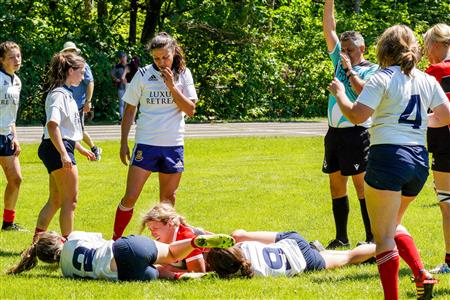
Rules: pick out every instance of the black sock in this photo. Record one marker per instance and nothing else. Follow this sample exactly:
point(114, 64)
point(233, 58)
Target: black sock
point(366, 220)
point(340, 213)
point(6, 224)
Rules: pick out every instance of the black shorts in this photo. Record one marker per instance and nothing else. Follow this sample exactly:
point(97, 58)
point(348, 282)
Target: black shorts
point(135, 256)
point(6, 145)
point(439, 145)
point(50, 156)
point(314, 261)
point(346, 150)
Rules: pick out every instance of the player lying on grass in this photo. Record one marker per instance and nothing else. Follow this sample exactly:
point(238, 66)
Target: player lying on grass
point(264, 253)
point(167, 226)
point(131, 258)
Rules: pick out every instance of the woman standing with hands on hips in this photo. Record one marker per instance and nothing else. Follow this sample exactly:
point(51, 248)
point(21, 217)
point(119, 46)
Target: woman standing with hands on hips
point(398, 96)
point(62, 134)
point(166, 93)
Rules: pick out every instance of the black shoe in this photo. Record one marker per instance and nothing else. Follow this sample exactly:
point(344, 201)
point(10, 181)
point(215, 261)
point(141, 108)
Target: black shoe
point(13, 227)
point(364, 243)
point(337, 244)
point(317, 245)
point(97, 152)
point(424, 285)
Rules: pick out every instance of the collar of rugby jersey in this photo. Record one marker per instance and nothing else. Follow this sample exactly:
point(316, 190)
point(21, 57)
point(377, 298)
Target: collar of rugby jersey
point(9, 75)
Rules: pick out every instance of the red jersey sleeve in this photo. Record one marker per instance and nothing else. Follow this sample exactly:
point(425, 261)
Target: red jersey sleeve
point(185, 232)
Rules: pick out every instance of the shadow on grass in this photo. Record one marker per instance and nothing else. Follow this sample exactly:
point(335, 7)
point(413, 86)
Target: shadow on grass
point(5, 253)
point(360, 277)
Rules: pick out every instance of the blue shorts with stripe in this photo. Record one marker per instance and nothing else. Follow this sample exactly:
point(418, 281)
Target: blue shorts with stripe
point(314, 261)
point(397, 168)
point(163, 159)
point(135, 256)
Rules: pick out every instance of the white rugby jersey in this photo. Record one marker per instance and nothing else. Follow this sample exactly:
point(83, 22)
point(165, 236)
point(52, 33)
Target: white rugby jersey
point(160, 122)
point(282, 258)
point(10, 87)
point(61, 108)
point(401, 103)
point(87, 255)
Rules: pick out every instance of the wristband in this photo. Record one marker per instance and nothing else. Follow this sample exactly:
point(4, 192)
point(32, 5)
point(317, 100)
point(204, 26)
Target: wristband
point(352, 73)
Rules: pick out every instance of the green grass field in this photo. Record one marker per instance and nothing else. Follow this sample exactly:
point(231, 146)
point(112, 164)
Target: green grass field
point(229, 183)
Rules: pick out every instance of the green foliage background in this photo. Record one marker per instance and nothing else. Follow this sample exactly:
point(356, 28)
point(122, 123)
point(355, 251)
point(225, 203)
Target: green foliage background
point(255, 59)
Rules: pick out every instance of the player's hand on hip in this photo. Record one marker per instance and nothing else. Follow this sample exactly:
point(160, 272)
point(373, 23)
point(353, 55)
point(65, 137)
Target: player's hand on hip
point(66, 161)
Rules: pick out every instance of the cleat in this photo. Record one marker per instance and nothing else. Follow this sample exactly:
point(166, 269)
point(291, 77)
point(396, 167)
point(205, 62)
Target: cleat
point(197, 275)
point(317, 245)
point(13, 227)
point(337, 244)
point(424, 285)
point(441, 269)
point(97, 152)
point(223, 241)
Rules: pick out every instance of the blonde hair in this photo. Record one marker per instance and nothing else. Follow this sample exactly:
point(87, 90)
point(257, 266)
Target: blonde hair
point(162, 212)
point(398, 46)
point(47, 248)
point(439, 33)
point(60, 65)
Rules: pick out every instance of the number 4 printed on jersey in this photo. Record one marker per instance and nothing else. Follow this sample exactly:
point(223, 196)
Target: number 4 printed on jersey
point(414, 102)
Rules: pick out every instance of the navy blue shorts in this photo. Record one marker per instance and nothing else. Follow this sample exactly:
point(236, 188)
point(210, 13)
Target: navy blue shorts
point(163, 159)
point(6, 145)
point(397, 168)
point(439, 145)
point(314, 261)
point(50, 156)
point(135, 256)
point(346, 150)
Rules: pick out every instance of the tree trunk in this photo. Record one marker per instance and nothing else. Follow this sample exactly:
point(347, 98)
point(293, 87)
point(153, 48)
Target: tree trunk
point(102, 9)
point(133, 17)
point(153, 12)
point(87, 9)
point(357, 6)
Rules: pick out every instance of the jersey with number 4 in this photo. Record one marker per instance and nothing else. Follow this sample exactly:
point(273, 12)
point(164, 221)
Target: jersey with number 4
point(400, 103)
point(87, 255)
point(282, 258)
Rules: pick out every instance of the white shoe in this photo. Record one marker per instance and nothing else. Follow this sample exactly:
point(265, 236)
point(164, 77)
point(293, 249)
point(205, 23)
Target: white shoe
point(441, 269)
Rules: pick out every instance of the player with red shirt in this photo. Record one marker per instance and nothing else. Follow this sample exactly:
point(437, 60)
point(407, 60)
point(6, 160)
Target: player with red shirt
point(166, 226)
point(437, 48)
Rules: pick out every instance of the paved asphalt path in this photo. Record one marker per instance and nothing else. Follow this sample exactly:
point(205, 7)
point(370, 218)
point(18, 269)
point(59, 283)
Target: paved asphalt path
point(112, 132)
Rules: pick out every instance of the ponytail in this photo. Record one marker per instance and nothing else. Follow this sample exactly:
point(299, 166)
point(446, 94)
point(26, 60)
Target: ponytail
point(59, 67)
point(229, 262)
point(47, 248)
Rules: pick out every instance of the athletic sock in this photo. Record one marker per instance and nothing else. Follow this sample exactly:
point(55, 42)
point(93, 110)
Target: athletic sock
point(123, 217)
point(388, 266)
point(340, 213)
point(9, 215)
point(447, 259)
point(408, 251)
point(366, 220)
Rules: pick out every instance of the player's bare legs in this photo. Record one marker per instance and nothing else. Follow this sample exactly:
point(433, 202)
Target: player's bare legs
point(168, 185)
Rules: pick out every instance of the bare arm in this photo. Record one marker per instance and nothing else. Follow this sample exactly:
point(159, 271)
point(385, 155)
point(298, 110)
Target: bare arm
point(15, 141)
point(127, 121)
point(440, 116)
point(356, 112)
point(56, 138)
point(183, 103)
point(266, 237)
point(329, 25)
point(89, 92)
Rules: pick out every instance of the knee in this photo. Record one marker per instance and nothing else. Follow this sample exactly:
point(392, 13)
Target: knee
point(16, 181)
point(169, 197)
point(401, 230)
